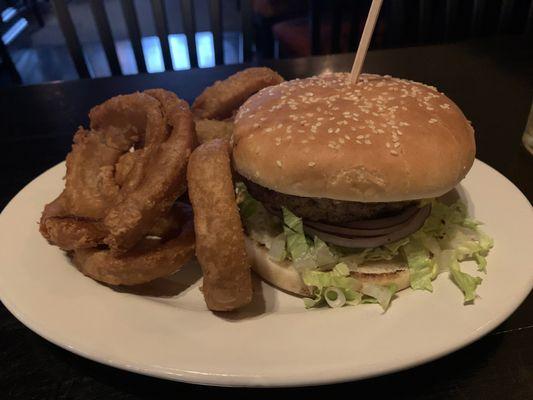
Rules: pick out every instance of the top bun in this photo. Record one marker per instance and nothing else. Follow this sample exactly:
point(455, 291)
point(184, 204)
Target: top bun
point(383, 139)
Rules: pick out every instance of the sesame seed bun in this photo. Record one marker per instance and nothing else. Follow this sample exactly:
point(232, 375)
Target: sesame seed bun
point(381, 140)
point(284, 276)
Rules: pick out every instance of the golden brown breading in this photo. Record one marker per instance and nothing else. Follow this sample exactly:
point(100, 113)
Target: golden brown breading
point(224, 97)
point(114, 195)
point(162, 180)
point(150, 259)
point(209, 129)
point(219, 234)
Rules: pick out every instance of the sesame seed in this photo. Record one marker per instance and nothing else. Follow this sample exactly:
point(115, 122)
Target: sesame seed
point(433, 121)
point(312, 164)
point(387, 145)
point(368, 142)
point(278, 163)
point(394, 152)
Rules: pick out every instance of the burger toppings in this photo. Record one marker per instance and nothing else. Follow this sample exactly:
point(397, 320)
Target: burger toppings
point(362, 238)
point(436, 237)
point(391, 221)
point(337, 288)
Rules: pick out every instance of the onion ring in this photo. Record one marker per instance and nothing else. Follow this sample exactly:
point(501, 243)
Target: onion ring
point(69, 232)
point(209, 129)
point(123, 174)
point(162, 181)
point(220, 247)
point(150, 259)
point(224, 97)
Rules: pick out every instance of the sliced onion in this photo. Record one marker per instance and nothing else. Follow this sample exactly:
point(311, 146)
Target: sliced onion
point(351, 232)
point(404, 230)
point(377, 223)
point(334, 297)
point(342, 230)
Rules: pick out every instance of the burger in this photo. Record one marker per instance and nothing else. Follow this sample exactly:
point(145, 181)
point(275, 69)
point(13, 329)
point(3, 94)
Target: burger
point(340, 188)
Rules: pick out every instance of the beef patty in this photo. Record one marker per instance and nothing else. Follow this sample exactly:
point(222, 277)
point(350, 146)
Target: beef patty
point(324, 210)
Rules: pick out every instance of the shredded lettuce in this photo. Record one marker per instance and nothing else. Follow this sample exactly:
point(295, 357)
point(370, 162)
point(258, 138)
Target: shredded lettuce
point(422, 267)
point(247, 204)
point(323, 254)
point(277, 250)
point(304, 253)
point(260, 225)
point(447, 237)
point(297, 245)
point(464, 281)
point(382, 294)
point(337, 288)
point(450, 236)
point(338, 278)
point(385, 252)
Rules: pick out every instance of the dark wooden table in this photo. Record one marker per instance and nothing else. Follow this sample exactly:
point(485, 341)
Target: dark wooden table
point(490, 79)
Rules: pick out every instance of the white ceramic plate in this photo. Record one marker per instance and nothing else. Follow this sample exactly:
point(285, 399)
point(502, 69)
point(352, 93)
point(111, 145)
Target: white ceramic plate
point(166, 331)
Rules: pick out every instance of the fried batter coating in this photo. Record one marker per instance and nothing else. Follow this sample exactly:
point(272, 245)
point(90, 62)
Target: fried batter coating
point(224, 97)
point(69, 232)
point(162, 178)
point(124, 173)
point(220, 245)
point(209, 129)
point(150, 259)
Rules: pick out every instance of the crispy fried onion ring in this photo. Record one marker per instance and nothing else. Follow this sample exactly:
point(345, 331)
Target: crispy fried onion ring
point(151, 258)
point(224, 97)
point(209, 129)
point(124, 174)
point(220, 245)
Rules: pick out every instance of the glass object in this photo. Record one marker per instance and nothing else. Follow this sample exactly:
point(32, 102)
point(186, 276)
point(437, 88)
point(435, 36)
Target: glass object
point(527, 138)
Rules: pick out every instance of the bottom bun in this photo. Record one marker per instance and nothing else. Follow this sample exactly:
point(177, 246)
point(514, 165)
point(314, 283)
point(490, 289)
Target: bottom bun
point(284, 276)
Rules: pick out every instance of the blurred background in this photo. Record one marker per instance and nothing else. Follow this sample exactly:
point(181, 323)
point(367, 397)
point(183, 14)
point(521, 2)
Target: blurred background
point(49, 40)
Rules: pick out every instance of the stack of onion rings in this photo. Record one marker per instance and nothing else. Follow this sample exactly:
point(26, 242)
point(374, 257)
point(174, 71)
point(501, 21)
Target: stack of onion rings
point(123, 177)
